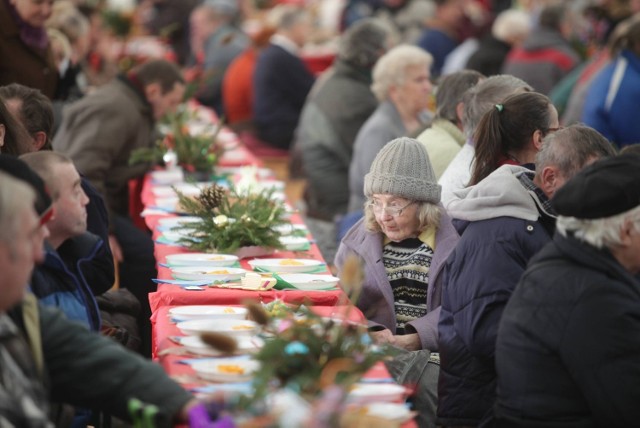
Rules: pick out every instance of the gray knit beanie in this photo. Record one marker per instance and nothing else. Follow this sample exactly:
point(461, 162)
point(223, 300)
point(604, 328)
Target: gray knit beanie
point(402, 168)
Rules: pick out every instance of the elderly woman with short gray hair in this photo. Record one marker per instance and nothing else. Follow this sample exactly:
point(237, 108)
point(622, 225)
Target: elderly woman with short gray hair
point(404, 239)
point(402, 86)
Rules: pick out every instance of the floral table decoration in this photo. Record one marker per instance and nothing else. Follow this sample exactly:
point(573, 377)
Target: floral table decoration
point(187, 141)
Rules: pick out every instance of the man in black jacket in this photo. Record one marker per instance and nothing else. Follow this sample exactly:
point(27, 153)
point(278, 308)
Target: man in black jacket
point(568, 347)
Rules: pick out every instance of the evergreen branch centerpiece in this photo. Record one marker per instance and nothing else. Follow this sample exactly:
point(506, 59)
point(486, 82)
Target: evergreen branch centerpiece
point(194, 142)
point(230, 220)
point(318, 359)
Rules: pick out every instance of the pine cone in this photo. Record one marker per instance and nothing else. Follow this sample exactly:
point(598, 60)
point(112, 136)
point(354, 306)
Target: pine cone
point(211, 197)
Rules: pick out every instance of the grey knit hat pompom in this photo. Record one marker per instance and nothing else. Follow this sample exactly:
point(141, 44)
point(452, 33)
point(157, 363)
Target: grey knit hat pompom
point(402, 168)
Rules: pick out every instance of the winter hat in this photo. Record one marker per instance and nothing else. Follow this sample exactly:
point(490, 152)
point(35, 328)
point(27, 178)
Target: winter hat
point(20, 170)
point(402, 168)
point(603, 189)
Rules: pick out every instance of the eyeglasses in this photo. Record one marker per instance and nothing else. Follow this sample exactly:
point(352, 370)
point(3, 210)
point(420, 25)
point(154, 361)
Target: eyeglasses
point(392, 210)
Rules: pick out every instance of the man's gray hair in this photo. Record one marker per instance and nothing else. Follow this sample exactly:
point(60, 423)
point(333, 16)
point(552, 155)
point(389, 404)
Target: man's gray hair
point(571, 148)
point(365, 42)
point(485, 95)
point(601, 232)
point(12, 206)
point(391, 68)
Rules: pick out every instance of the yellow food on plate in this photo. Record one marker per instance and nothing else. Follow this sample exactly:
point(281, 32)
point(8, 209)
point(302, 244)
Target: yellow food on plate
point(291, 262)
point(229, 311)
point(217, 272)
point(242, 327)
point(215, 258)
point(230, 369)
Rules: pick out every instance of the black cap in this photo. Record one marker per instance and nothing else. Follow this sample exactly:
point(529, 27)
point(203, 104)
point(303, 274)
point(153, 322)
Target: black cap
point(607, 187)
point(20, 170)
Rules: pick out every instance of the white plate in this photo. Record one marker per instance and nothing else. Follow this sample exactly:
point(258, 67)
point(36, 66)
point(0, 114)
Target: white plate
point(169, 202)
point(214, 273)
point(307, 281)
point(188, 189)
point(294, 243)
point(213, 369)
point(167, 177)
point(171, 222)
point(364, 393)
point(392, 411)
point(194, 345)
point(286, 265)
point(176, 235)
point(226, 326)
point(184, 313)
point(261, 173)
point(288, 229)
point(201, 259)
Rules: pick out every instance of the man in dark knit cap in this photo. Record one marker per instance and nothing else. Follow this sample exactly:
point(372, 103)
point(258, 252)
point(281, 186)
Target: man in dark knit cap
point(568, 348)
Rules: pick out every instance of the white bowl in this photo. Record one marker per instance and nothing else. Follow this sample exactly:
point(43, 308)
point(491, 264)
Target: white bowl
point(195, 345)
point(364, 393)
point(237, 369)
point(229, 327)
point(286, 265)
point(193, 312)
point(307, 281)
point(288, 229)
point(294, 243)
point(201, 259)
point(213, 274)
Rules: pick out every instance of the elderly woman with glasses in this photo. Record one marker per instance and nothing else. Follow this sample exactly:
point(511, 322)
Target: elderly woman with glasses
point(403, 240)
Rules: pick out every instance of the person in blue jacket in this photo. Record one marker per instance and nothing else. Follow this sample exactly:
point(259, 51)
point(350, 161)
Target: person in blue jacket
point(504, 220)
point(63, 278)
point(611, 103)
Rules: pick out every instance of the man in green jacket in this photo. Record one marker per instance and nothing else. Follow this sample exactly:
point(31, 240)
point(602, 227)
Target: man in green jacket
point(45, 358)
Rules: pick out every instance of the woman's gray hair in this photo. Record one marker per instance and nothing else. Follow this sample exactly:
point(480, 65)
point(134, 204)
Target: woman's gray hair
point(391, 68)
point(428, 215)
point(510, 25)
point(365, 42)
point(12, 207)
point(601, 232)
point(485, 95)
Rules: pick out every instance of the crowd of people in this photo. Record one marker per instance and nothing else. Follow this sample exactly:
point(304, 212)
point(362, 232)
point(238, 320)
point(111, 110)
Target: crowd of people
point(466, 150)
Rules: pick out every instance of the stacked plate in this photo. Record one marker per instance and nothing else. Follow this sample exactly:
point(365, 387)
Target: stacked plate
point(364, 393)
point(171, 222)
point(231, 327)
point(286, 265)
point(221, 274)
point(201, 259)
point(226, 369)
point(194, 345)
point(308, 282)
point(196, 312)
point(294, 243)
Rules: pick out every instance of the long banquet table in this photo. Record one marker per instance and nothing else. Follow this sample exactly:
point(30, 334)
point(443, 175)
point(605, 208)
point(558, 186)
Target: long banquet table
point(165, 346)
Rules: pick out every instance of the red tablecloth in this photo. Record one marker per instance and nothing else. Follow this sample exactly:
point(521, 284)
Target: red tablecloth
point(164, 329)
point(174, 295)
